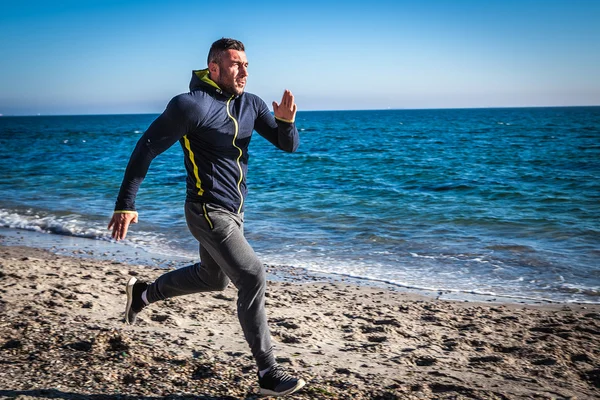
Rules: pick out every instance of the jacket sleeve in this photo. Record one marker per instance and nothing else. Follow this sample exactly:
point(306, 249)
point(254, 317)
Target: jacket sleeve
point(283, 134)
point(167, 129)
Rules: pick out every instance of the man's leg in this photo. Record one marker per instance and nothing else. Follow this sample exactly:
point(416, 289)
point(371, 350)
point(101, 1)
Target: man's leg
point(226, 243)
point(220, 233)
point(224, 249)
point(205, 276)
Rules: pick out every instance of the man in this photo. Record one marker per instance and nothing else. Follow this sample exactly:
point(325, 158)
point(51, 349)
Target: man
point(214, 123)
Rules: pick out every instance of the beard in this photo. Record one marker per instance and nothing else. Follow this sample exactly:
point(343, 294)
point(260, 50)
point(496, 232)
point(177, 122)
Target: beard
point(231, 89)
point(228, 85)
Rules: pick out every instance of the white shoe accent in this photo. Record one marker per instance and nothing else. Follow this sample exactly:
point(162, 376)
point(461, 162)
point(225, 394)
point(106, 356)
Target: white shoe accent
point(268, 392)
point(129, 290)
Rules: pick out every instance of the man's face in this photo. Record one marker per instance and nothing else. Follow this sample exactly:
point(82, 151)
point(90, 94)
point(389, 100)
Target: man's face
point(231, 72)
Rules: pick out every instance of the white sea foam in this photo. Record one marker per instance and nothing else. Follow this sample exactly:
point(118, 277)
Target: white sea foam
point(422, 256)
point(354, 272)
point(70, 225)
point(67, 225)
point(81, 227)
point(428, 279)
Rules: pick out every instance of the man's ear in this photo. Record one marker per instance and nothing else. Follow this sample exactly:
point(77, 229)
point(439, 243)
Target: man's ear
point(213, 68)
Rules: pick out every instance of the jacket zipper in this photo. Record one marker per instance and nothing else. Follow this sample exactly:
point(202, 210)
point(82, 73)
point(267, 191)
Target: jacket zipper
point(235, 135)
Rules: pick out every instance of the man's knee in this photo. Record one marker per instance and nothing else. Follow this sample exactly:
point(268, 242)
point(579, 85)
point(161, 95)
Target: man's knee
point(220, 283)
point(254, 279)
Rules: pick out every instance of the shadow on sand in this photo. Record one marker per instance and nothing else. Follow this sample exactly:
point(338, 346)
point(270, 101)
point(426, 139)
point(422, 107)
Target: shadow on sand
point(57, 394)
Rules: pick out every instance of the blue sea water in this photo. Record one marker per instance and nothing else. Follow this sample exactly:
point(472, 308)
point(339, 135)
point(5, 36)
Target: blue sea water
point(502, 202)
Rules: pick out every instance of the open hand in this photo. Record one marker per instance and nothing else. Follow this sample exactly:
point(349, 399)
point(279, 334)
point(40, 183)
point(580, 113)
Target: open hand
point(119, 223)
point(287, 109)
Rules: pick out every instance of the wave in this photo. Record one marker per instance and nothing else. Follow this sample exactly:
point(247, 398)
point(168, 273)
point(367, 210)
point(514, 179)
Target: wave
point(68, 225)
point(474, 294)
point(88, 227)
point(512, 247)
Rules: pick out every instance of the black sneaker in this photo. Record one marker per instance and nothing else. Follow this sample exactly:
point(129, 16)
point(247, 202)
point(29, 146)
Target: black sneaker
point(277, 382)
point(135, 304)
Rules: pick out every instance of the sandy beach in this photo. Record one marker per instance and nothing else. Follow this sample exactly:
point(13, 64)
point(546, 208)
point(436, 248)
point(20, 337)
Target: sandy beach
point(62, 336)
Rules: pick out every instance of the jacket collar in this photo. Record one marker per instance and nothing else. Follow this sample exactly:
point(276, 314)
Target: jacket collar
point(201, 79)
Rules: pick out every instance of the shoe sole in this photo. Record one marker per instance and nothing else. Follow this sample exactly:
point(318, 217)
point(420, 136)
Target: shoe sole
point(267, 392)
point(129, 290)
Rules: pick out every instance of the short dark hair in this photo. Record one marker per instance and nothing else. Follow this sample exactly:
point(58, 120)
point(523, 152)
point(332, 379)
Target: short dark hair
point(222, 45)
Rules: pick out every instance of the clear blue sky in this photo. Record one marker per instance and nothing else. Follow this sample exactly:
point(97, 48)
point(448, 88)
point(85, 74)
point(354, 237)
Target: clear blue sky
point(98, 57)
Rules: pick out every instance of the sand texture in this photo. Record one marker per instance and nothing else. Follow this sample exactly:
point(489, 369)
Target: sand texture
point(62, 336)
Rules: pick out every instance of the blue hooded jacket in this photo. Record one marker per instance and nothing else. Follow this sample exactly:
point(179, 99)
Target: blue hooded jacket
point(214, 129)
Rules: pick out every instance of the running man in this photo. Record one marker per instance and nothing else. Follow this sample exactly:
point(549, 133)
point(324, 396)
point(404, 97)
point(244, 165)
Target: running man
point(213, 124)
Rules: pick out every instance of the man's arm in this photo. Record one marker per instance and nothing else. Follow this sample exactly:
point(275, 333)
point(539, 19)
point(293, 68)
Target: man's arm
point(167, 129)
point(281, 130)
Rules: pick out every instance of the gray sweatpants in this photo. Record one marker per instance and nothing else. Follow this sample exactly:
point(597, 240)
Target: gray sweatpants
point(224, 255)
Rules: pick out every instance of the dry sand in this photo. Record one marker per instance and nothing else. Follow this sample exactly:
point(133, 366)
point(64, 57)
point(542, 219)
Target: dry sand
point(62, 336)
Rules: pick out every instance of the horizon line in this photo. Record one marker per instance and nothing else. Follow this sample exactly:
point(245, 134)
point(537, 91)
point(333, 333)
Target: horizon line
point(317, 110)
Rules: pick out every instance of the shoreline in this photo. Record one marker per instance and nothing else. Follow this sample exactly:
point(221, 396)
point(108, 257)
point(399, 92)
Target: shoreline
point(62, 336)
point(104, 250)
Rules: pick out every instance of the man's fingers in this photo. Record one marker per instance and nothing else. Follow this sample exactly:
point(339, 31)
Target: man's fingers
point(114, 232)
point(286, 110)
point(123, 231)
point(117, 228)
point(119, 224)
point(287, 99)
point(120, 230)
point(112, 222)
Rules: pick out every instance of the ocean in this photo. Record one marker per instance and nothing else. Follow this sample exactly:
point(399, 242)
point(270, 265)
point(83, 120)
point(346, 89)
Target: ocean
point(502, 203)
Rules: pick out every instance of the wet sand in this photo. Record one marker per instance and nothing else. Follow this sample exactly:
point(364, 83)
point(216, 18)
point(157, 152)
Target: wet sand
point(62, 336)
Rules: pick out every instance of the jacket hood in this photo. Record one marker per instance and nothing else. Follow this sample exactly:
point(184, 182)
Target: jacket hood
point(200, 79)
